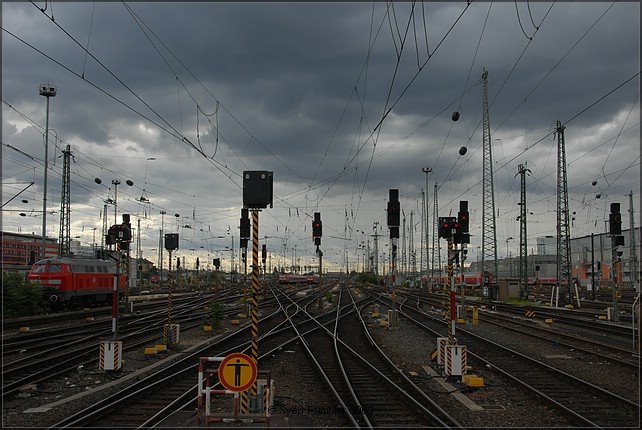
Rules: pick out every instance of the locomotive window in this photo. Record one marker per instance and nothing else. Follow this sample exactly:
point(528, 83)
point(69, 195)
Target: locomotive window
point(38, 269)
point(89, 269)
point(53, 268)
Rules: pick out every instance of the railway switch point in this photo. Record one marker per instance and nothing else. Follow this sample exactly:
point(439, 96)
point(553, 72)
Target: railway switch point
point(23, 329)
point(161, 347)
point(548, 321)
point(207, 327)
point(150, 350)
point(601, 317)
point(234, 322)
point(383, 323)
point(89, 319)
point(461, 321)
point(110, 355)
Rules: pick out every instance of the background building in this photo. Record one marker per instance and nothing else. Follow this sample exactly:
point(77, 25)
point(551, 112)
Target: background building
point(20, 251)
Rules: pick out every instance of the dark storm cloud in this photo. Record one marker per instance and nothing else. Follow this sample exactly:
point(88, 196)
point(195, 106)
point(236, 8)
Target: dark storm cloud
point(300, 94)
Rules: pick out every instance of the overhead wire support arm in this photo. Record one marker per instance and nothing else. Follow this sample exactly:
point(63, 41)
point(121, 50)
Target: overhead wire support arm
point(20, 192)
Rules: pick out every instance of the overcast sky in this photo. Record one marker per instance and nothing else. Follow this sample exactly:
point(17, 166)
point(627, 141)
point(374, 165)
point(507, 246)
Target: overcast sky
point(342, 101)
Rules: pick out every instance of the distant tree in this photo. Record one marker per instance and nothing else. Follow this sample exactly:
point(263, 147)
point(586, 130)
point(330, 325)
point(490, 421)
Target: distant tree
point(20, 297)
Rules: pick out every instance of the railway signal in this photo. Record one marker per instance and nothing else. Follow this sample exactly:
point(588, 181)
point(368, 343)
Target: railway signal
point(393, 209)
point(447, 225)
point(462, 235)
point(317, 229)
point(257, 194)
point(245, 227)
point(615, 219)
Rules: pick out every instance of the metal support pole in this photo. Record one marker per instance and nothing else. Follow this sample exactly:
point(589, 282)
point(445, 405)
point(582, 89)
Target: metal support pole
point(616, 313)
point(167, 327)
point(44, 197)
point(594, 287)
point(320, 268)
point(160, 248)
point(451, 278)
point(393, 261)
point(255, 308)
point(114, 303)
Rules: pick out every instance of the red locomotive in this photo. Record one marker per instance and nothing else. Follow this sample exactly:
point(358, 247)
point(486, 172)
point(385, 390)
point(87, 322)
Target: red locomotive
point(76, 281)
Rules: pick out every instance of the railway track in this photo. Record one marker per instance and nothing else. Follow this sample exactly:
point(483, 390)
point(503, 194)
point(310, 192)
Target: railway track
point(150, 401)
point(623, 357)
point(69, 352)
point(368, 388)
point(585, 403)
point(620, 354)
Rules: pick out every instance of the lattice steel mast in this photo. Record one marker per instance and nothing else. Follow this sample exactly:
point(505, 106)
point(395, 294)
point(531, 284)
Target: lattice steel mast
point(64, 236)
point(412, 257)
point(404, 266)
point(489, 233)
point(422, 235)
point(435, 239)
point(563, 235)
point(523, 247)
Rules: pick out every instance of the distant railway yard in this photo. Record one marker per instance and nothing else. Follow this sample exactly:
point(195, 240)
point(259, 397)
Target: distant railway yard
point(340, 355)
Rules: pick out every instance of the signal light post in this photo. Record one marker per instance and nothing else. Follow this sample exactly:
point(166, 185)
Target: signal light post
point(455, 231)
point(393, 224)
point(615, 230)
point(317, 232)
point(245, 237)
point(171, 332)
point(257, 194)
point(110, 351)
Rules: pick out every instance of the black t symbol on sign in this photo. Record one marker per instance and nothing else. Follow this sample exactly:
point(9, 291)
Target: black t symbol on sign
point(237, 371)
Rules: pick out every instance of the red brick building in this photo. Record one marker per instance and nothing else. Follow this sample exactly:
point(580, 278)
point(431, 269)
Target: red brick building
point(18, 251)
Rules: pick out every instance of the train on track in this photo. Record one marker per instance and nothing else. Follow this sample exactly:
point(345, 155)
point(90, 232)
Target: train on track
point(477, 279)
point(75, 282)
point(288, 278)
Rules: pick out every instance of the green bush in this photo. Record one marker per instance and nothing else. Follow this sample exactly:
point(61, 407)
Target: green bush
point(20, 297)
point(367, 278)
point(214, 314)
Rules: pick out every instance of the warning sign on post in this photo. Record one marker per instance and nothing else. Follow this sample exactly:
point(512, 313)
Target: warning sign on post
point(237, 372)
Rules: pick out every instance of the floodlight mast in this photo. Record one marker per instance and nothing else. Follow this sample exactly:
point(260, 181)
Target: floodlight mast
point(47, 91)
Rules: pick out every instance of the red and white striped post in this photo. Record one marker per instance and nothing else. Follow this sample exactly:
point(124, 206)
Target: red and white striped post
point(114, 303)
point(453, 302)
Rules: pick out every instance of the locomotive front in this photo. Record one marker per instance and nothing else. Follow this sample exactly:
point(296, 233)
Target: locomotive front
point(53, 276)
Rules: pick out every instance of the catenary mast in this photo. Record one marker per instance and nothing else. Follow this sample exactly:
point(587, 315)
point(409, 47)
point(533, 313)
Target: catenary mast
point(489, 233)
